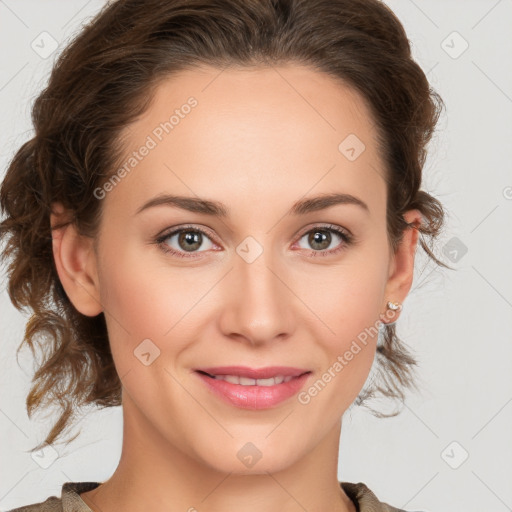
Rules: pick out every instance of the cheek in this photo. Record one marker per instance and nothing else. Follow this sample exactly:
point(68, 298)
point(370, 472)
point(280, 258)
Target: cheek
point(348, 303)
point(137, 306)
point(144, 301)
point(349, 307)
point(347, 300)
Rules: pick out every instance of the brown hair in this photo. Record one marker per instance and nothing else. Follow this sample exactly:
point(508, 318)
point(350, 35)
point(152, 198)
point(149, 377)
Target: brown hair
point(105, 78)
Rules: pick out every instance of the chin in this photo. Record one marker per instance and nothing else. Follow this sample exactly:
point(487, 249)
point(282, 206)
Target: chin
point(250, 457)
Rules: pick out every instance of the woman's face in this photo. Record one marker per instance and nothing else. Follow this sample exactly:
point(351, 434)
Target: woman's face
point(268, 283)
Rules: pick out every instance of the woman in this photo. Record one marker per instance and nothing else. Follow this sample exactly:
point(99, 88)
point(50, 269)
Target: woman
point(215, 225)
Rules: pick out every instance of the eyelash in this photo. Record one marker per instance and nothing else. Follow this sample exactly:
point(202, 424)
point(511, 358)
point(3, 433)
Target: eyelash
point(347, 238)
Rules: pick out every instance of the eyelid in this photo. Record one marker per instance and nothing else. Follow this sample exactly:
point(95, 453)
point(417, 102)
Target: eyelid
point(167, 232)
point(324, 225)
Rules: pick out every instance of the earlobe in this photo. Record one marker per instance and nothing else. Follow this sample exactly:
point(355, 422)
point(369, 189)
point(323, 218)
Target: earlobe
point(402, 264)
point(75, 261)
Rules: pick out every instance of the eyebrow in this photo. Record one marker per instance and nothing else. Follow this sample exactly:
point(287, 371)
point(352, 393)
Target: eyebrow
point(218, 209)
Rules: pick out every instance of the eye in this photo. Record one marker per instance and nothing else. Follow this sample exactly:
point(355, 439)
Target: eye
point(183, 242)
point(186, 240)
point(320, 238)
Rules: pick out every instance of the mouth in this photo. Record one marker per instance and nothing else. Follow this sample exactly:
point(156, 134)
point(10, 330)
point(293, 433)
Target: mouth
point(253, 373)
point(247, 381)
point(251, 388)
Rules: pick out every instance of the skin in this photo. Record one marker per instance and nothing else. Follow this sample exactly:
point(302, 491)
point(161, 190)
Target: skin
point(258, 141)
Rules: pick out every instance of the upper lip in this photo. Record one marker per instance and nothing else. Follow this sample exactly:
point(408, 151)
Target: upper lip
point(254, 373)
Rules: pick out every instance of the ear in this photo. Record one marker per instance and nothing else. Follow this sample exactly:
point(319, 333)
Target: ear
point(401, 267)
point(75, 261)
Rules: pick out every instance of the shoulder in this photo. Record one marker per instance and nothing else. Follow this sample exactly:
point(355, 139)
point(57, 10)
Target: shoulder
point(69, 500)
point(365, 499)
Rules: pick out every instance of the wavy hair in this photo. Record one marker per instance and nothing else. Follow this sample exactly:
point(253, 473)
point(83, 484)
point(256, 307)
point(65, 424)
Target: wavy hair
point(105, 78)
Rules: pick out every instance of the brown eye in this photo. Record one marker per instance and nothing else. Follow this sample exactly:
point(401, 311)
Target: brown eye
point(320, 240)
point(190, 240)
point(181, 241)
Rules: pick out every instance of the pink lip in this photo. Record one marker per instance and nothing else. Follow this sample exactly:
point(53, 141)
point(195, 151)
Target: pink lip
point(254, 373)
point(254, 397)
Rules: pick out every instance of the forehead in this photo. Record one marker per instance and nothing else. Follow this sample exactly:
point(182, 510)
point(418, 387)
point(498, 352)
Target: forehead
point(292, 98)
point(253, 132)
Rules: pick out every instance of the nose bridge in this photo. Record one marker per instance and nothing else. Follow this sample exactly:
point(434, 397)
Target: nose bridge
point(255, 270)
point(260, 303)
point(257, 279)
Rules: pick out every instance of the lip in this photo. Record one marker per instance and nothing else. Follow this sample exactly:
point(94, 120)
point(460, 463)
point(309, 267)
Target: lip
point(254, 373)
point(254, 397)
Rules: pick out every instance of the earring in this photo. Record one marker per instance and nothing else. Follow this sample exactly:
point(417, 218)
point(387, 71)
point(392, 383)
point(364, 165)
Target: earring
point(394, 305)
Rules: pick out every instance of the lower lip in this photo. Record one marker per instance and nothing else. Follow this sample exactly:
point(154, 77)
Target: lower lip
point(254, 397)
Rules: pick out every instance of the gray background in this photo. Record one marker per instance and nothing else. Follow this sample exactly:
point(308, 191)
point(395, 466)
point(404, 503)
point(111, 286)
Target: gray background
point(459, 323)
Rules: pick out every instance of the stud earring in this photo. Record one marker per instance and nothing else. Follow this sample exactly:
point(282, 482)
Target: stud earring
point(394, 305)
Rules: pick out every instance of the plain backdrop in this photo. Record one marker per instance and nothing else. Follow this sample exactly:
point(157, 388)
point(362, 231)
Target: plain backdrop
point(451, 447)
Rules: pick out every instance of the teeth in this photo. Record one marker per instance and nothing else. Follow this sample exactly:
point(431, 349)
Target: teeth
point(245, 381)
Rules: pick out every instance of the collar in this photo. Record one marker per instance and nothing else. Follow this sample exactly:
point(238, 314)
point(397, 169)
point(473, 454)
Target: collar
point(363, 498)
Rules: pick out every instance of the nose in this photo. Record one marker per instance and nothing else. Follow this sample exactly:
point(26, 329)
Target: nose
point(259, 305)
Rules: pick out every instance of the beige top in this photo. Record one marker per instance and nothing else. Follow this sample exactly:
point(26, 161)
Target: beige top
point(70, 501)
